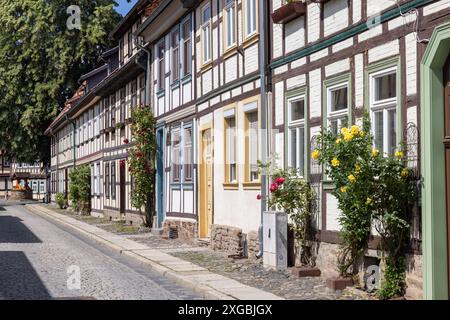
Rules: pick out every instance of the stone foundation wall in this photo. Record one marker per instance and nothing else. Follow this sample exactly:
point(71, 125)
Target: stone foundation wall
point(252, 244)
point(185, 229)
point(232, 241)
point(227, 239)
point(19, 195)
point(326, 261)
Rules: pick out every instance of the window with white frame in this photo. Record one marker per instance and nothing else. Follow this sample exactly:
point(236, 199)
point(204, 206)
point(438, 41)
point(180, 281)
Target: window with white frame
point(337, 105)
point(250, 17)
point(187, 48)
point(230, 23)
point(175, 39)
point(176, 168)
point(383, 109)
point(187, 153)
point(230, 146)
point(296, 133)
point(161, 67)
point(206, 33)
point(252, 142)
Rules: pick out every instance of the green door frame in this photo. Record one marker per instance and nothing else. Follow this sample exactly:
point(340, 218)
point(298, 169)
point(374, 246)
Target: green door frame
point(434, 222)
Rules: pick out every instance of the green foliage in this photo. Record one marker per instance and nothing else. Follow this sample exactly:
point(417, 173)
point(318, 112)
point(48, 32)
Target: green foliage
point(141, 160)
point(295, 197)
point(372, 190)
point(40, 64)
point(61, 200)
point(80, 189)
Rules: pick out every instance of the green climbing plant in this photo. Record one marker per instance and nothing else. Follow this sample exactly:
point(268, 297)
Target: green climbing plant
point(141, 162)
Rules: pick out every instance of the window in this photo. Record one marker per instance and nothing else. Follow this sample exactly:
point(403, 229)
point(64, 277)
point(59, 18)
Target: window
point(93, 180)
point(122, 104)
point(113, 180)
point(121, 52)
point(250, 17)
point(175, 55)
point(187, 55)
point(230, 148)
point(187, 154)
point(130, 44)
point(42, 187)
point(176, 168)
point(142, 90)
point(97, 184)
point(206, 33)
point(161, 67)
point(113, 110)
point(107, 113)
point(337, 100)
point(383, 110)
point(107, 182)
point(296, 134)
point(252, 142)
point(230, 23)
point(134, 94)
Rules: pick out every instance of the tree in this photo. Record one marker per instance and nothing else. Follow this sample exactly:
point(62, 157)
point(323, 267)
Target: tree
point(41, 61)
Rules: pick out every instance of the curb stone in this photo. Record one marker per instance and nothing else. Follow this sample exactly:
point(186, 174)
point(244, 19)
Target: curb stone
point(167, 271)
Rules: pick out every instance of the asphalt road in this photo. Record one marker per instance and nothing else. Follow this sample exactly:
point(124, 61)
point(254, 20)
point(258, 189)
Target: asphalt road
point(40, 259)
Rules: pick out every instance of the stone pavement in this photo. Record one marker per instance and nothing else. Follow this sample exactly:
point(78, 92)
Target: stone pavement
point(41, 259)
point(199, 279)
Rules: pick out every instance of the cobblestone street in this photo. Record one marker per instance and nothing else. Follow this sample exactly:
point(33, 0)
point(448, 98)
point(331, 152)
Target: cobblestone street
point(35, 255)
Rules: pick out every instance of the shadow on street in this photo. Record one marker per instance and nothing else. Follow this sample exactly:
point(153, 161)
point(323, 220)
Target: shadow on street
point(12, 230)
point(18, 279)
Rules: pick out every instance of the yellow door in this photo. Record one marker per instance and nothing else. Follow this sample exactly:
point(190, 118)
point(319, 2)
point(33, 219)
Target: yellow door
point(206, 185)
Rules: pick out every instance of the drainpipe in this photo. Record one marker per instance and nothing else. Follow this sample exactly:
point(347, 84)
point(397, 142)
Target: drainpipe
point(264, 114)
point(148, 71)
point(73, 140)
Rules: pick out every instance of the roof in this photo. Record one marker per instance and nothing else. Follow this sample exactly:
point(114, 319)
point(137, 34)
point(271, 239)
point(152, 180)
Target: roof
point(67, 106)
point(129, 19)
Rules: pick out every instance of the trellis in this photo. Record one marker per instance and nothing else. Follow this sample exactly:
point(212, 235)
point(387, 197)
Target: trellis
point(412, 161)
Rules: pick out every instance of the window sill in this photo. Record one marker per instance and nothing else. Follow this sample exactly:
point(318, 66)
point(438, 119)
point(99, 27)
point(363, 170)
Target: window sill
point(207, 66)
point(252, 185)
point(161, 93)
point(250, 40)
point(230, 51)
point(186, 79)
point(175, 85)
point(230, 186)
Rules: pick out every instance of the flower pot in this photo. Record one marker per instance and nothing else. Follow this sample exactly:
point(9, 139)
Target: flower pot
point(336, 284)
point(305, 271)
point(288, 12)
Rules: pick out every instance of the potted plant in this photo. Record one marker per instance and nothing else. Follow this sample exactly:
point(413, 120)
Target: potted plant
point(290, 10)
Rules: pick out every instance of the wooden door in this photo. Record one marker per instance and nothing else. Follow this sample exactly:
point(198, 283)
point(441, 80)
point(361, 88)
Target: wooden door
point(122, 194)
point(447, 156)
point(206, 184)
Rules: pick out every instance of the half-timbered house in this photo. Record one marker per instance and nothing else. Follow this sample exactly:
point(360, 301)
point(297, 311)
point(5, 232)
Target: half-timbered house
point(331, 62)
point(5, 172)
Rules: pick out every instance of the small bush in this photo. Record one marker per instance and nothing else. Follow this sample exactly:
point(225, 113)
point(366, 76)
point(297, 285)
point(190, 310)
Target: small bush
point(61, 200)
point(80, 189)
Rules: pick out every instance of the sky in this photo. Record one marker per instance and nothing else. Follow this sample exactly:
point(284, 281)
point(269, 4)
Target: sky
point(124, 6)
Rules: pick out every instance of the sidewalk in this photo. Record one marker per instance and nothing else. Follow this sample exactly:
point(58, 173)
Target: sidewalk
point(210, 285)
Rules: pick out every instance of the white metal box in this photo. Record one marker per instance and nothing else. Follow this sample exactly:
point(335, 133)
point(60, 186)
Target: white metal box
point(275, 240)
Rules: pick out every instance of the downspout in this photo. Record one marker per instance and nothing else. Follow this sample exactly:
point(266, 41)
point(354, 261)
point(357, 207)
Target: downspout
point(264, 114)
point(73, 139)
point(148, 71)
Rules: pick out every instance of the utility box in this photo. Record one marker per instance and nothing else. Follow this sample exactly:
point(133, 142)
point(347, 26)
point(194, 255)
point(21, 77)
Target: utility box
point(275, 240)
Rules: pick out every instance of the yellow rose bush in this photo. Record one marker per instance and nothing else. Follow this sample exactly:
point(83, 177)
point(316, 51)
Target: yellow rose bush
point(372, 190)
